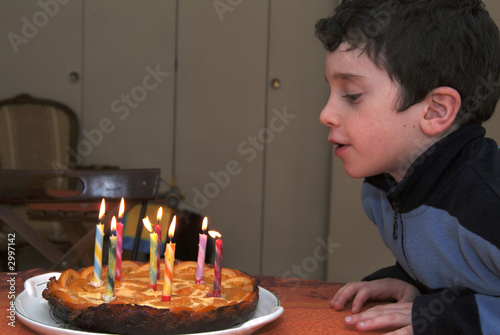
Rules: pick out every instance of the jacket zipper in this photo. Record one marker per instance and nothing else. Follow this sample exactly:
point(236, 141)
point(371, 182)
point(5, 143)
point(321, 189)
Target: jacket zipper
point(395, 231)
point(395, 222)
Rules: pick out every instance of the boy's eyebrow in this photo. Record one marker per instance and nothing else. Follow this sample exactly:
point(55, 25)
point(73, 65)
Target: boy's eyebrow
point(347, 76)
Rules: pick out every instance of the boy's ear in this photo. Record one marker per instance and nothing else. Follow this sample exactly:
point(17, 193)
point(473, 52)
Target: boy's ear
point(441, 109)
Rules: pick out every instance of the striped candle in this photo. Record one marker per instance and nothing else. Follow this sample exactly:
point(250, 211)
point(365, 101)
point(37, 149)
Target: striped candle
point(153, 261)
point(99, 237)
point(158, 232)
point(119, 241)
point(202, 247)
point(169, 263)
point(218, 264)
point(153, 250)
point(169, 272)
point(110, 283)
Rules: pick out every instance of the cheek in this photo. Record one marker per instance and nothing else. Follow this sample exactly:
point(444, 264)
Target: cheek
point(370, 135)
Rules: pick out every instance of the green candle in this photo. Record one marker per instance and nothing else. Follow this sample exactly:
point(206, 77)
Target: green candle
point(110, 284)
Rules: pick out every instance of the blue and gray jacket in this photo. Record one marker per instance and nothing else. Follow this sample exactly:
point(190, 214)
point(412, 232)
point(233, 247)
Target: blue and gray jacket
point(442, 223)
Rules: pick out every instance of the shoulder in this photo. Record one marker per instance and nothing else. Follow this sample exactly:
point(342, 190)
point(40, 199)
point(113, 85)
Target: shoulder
point(479, 174)
point(471, 192)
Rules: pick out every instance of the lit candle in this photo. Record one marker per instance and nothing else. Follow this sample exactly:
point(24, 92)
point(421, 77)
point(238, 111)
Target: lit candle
point(158, 232)
point(119, 241)
point(109, 293)
point(169, 263)
point(202, 247)
point(218, 263)
point(99, 236)
point(153, 251)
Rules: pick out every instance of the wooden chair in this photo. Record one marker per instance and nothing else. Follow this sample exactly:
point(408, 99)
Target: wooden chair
point(42, 135)
point(38, 134)
point(87, 187)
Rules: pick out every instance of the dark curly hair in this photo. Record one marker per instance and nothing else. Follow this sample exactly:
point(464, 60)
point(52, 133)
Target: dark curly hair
point(425, 44)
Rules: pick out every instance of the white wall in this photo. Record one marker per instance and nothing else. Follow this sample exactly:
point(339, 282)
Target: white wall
point(258, 155)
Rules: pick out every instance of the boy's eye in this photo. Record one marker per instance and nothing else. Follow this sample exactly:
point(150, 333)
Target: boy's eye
point(351, 97)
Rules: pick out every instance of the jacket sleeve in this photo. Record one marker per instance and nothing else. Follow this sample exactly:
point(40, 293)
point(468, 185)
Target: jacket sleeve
point(456, 311)
point(396, 272)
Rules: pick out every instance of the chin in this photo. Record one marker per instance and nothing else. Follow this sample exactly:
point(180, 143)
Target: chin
point(354, 174)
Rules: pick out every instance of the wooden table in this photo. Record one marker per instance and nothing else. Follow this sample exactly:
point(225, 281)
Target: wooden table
point(306, 304)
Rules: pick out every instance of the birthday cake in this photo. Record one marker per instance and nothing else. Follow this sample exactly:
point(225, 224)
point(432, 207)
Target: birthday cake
point(136, 309)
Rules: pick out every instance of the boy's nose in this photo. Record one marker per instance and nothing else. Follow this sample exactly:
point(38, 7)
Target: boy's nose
point(328, 116)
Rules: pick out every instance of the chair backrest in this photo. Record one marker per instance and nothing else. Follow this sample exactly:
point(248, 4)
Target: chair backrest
point(36, 134)
point(25, 186)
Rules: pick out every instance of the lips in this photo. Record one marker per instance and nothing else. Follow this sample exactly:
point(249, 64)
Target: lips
point(335, 142)
point(339, 147)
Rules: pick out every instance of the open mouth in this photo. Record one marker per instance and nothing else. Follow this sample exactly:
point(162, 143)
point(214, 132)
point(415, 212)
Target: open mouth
point(339, 148)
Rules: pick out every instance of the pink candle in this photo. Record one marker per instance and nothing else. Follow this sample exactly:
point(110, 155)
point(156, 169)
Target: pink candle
point(119, 241)
point(202, 246)
point(158, 232)
point(218, 263)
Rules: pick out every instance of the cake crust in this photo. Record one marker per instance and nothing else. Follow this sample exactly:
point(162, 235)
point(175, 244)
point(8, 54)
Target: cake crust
point(137, 310)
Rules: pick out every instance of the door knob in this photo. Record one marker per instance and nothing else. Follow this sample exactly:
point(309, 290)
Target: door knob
point(275, 83)
point(74, 77)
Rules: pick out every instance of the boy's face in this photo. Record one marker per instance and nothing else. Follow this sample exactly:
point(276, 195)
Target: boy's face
point(369, 135)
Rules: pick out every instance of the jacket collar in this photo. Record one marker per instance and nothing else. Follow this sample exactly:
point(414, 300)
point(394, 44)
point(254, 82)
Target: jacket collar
point(427, 170)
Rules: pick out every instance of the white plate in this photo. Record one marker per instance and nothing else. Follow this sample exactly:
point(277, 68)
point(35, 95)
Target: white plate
point(34, 311)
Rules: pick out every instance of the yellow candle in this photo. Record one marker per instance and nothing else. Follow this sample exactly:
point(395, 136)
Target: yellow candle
point(169, 271)
point(153, 251)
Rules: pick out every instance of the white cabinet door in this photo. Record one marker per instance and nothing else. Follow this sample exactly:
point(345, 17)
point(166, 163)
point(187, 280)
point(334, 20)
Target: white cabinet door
point(298, 153)
point(129, 78)
point(221, 108)
point(41, 46)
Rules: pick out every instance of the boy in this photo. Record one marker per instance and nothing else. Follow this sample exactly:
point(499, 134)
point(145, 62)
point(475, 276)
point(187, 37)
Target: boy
point(411, 81)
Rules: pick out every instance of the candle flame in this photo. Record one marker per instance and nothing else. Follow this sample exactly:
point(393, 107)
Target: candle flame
point(171, 230)
point(121, 210)
point(214, 234)
point(160, 214)
point(147, 224)
point(103, 209)
point(113, 225)
point(204, 226)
